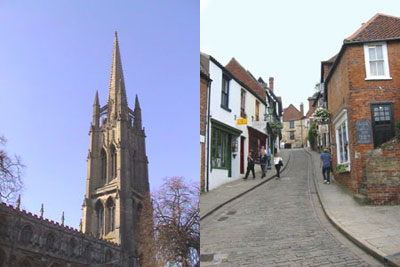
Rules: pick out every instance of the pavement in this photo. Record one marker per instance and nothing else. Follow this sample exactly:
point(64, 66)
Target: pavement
point(222, 195)
point(375, 229)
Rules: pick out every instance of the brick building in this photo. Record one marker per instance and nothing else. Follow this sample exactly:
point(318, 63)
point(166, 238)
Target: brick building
point(295, 127)
point(204, 86)
point(362, 90)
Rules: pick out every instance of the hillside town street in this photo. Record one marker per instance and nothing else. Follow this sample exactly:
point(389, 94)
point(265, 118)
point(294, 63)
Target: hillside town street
point(282, 223)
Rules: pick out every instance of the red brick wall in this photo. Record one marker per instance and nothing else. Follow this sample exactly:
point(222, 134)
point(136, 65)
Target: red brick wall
point(348, 87)
point(203, 110)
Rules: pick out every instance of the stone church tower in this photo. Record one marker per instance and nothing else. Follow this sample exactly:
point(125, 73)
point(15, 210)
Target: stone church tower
point(117, 176)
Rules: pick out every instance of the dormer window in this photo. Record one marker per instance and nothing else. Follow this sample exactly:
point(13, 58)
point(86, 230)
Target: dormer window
point(376, 61)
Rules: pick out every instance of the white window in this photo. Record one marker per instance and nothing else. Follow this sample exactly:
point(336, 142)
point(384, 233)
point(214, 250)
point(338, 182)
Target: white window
point(342, 140)
point(376, 61)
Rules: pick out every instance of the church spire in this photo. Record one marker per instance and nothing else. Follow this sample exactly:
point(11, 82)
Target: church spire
point(116, 93)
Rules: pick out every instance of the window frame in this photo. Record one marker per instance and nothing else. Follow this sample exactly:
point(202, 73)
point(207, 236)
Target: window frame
point(257, 111)
point(243, 103)
point(386, 70)
point(222, 137)
point(292, 135)
point(291, 124)
point(225, 100)
point(339, 123)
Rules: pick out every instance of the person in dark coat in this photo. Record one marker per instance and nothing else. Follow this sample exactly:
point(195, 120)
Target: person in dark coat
point(250, 165)
point(263, 162)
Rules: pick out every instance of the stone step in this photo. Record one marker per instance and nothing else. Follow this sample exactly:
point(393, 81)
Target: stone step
point(361, 199)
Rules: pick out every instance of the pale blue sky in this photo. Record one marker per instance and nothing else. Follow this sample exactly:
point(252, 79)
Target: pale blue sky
point(54, 55)
point(284, 39)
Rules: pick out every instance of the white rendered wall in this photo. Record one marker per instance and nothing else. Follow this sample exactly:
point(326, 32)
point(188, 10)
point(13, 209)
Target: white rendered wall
point(218, 177)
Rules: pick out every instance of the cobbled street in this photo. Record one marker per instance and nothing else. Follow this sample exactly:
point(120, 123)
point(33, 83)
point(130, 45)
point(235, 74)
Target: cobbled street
point(277, 224)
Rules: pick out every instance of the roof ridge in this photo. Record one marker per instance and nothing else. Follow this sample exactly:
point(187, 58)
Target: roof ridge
point(363, 26)
point(366, 24)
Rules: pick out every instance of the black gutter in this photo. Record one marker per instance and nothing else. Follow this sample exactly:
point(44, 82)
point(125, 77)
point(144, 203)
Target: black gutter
point(208, 132)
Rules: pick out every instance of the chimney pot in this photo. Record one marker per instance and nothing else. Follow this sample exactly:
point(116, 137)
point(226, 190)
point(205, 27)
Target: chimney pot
point(302, 109)
point(271, 84)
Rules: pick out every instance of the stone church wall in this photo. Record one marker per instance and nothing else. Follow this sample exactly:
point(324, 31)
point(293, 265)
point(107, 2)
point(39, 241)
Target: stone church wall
point(30, 241)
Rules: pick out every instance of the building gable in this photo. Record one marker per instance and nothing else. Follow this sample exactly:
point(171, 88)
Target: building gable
point(291, 113)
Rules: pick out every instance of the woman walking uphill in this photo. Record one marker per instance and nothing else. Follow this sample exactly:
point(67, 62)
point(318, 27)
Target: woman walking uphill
point(250, 165)
point(278, 164)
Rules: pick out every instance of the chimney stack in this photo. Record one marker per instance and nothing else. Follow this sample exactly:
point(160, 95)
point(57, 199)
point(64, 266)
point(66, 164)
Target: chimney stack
point(271, 84)
point(302, 109)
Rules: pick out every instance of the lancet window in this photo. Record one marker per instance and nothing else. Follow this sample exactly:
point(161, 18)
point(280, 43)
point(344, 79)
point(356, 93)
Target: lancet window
point(100, 218)
point(111, 214)
point(103, 164)
point(113, 162)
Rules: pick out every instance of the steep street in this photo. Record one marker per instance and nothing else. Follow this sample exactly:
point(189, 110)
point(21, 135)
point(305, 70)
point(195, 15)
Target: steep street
point(279, 223)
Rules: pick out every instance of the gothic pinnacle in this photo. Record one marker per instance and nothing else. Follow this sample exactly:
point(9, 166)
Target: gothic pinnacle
point(41, 211)
point(96, 99)
point(96, 110)
point(18, 204)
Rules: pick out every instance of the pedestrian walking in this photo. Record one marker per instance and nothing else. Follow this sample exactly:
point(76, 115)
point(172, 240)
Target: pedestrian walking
point(268, 152)
point(278, 164)
point(326, 163)
point(250, 165)
point(263, 162)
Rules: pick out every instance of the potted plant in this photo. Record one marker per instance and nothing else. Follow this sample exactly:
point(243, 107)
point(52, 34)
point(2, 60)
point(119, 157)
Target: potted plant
point(342, 168)
point(321, 115)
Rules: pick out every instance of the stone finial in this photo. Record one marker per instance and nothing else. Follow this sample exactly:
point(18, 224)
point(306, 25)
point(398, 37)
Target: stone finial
point(41, 211)
point(62, 219)
point(80, 225)
point(18, 204)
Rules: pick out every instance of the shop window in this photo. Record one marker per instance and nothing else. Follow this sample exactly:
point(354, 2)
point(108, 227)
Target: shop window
point(219, 148)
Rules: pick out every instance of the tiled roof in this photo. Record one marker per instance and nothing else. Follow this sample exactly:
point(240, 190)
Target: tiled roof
point(204, 63)
point(245, 77)
point(291, 113)
point(331, 60)
point(379, 27)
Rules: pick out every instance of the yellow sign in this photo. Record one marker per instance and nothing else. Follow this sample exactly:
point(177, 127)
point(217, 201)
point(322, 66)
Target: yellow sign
point(242, 121)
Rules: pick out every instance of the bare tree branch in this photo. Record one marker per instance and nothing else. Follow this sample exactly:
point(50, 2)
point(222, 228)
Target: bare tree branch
point(11, 169)
point(176, 228)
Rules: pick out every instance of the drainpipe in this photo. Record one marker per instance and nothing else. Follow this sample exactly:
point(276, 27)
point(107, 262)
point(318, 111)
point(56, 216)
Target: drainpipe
point(208, 131)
